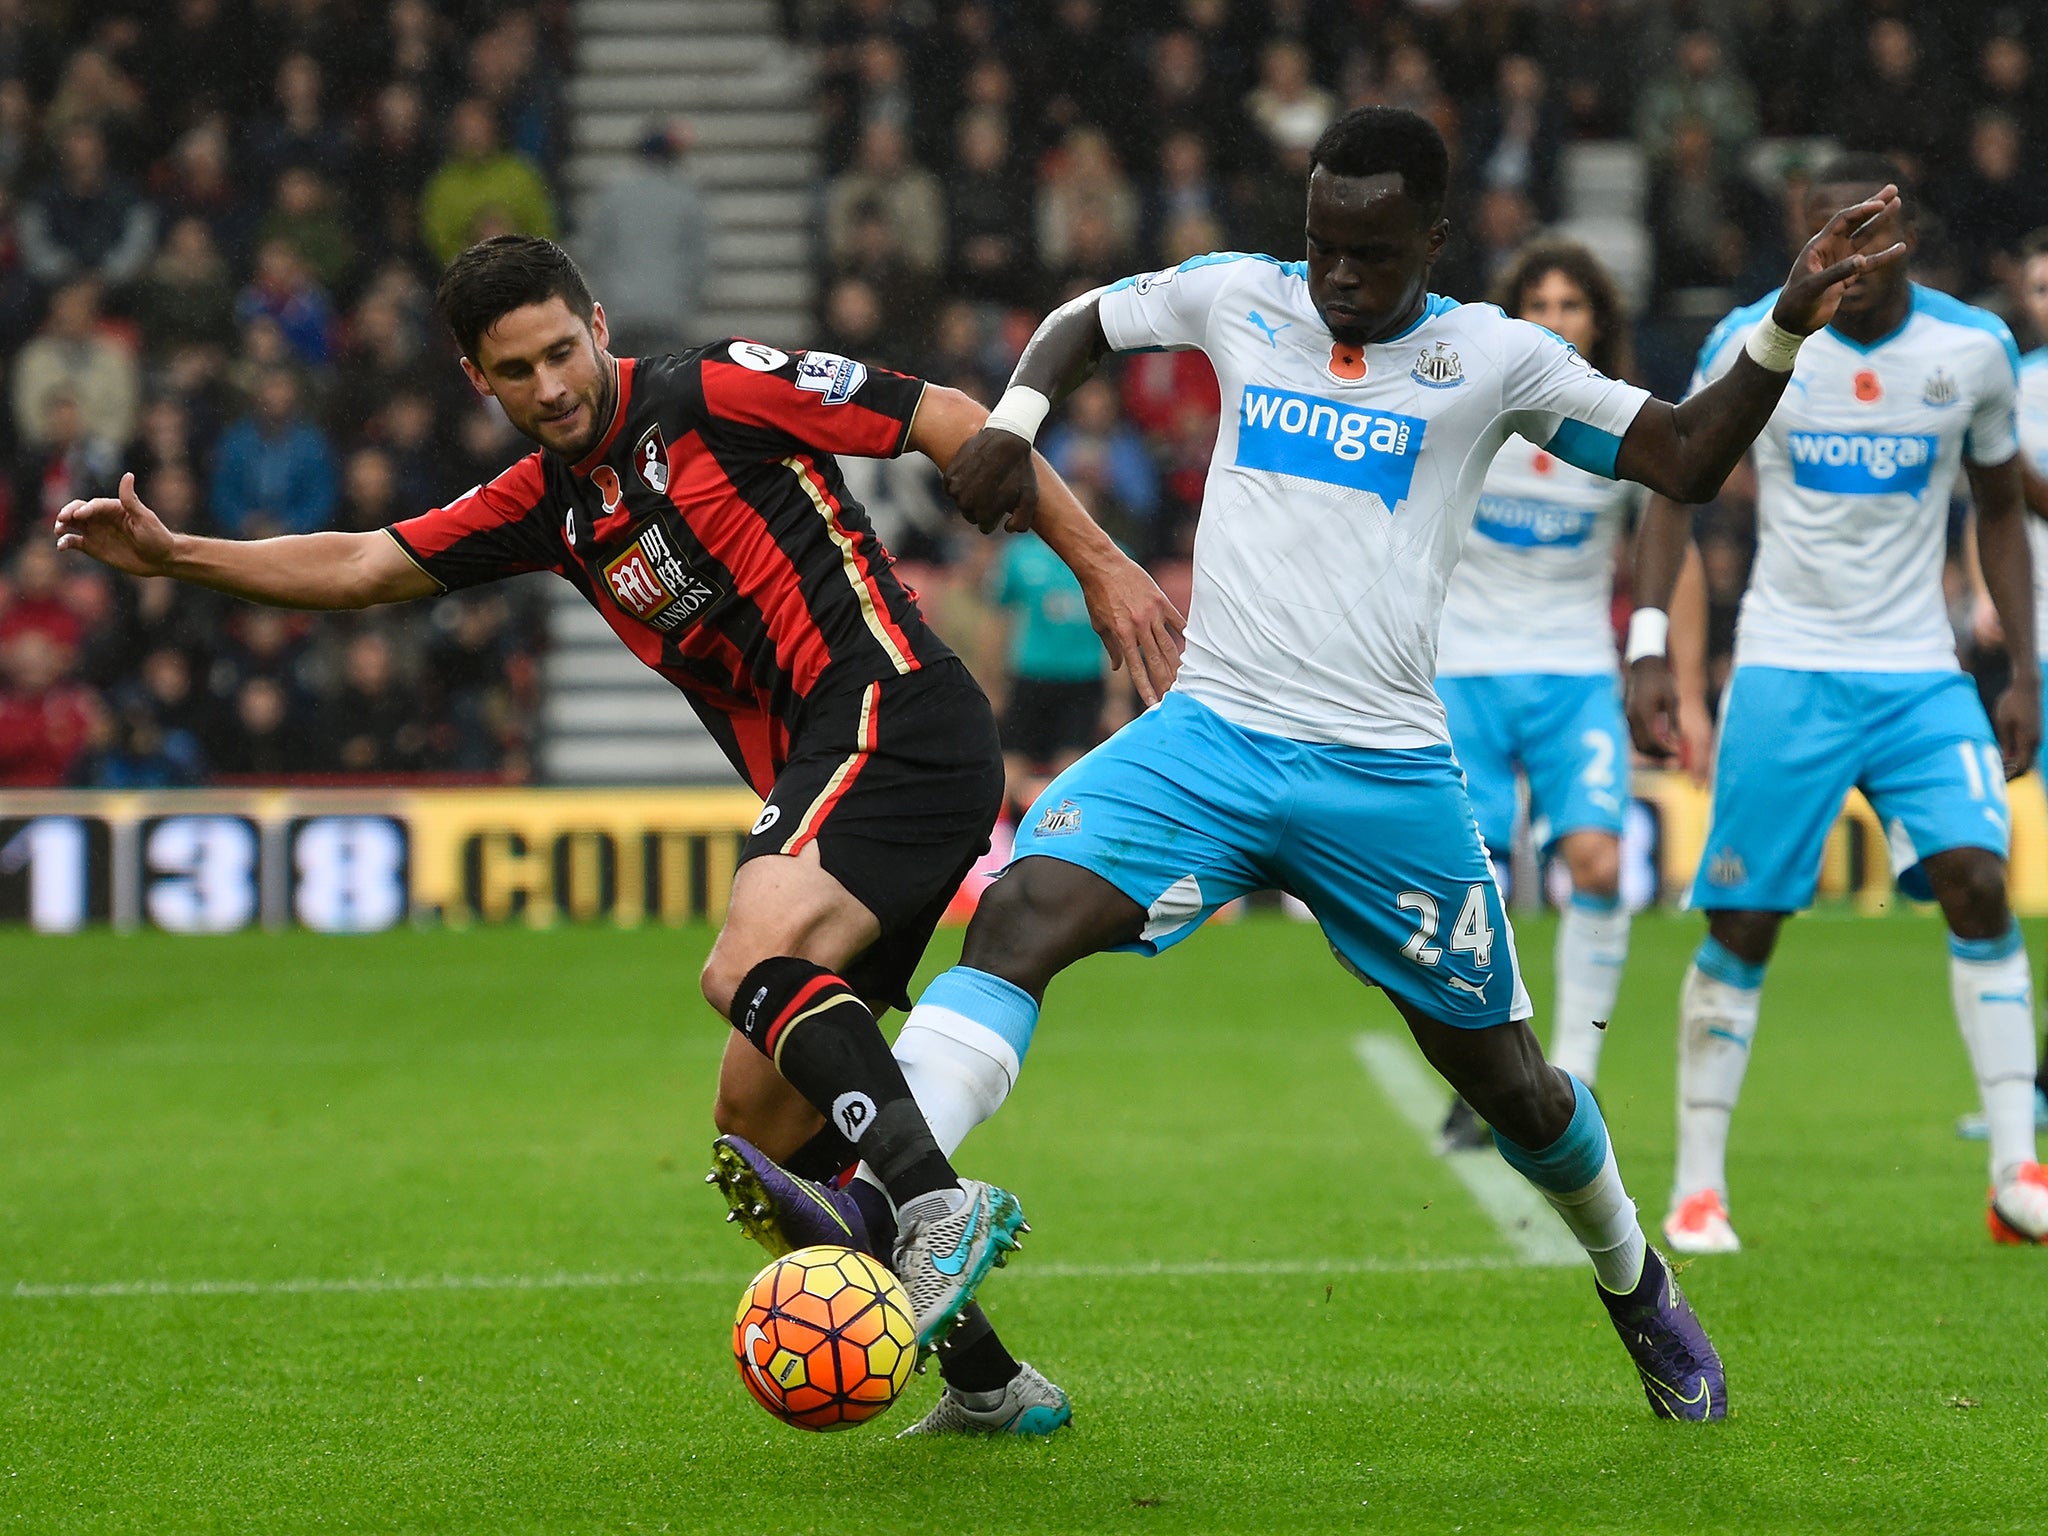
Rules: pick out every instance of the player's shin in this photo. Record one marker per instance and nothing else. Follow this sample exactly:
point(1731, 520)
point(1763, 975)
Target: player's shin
point(1993, 988)
point(823, 1039)
point(1578, 1176)
point(1717, 1016)
point(962, 1047)
point(1592, 948)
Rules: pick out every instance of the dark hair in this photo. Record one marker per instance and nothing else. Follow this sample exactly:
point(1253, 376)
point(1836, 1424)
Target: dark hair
point(2034, 245)
point(1374, 141)
point(1866, 169)
point(1610, 352)
point(506, 272)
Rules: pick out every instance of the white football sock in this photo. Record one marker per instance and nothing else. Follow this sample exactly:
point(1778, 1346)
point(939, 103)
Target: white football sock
point(961, 1050)
point(1603, 1219)
point(1717, 1015)
point(1994, 998)
point(1592, 947)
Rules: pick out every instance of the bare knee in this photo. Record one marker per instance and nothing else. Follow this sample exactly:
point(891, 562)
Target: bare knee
point(1970, 885)
point(1041, 917)
point(720, 979)
point(1749, 936)
point(1594, 859)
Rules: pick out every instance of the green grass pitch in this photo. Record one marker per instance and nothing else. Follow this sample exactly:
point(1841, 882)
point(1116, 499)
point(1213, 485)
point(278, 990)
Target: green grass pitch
point(408, 1234)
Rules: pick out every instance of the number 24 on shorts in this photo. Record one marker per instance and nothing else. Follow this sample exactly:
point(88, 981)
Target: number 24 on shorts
point(1472, 934)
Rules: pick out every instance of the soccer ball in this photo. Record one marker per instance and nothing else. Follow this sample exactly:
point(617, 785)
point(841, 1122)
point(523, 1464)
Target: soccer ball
point(824, 1338)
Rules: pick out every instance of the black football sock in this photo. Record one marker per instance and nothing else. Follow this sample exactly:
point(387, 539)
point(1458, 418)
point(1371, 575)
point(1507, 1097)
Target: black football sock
point(822, 1038)
point(823, 1158)
point(971, 1357)
point(881, 1216)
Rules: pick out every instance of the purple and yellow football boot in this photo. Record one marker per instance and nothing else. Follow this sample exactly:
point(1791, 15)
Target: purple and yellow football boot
point(1681, 1372)
point(783, 1212)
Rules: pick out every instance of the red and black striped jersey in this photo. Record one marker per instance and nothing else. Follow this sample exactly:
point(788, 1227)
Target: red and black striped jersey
point(712, 529)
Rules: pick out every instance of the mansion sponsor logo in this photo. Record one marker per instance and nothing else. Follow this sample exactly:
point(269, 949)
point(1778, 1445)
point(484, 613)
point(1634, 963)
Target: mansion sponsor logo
point(1328, 441)
point(653, 585)
point(1862, 463)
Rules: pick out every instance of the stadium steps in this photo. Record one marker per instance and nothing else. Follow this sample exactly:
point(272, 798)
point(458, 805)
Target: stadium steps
point(724, 65)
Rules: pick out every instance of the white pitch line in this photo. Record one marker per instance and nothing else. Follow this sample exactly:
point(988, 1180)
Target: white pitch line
point(1536, 1232)
point(374, 1285)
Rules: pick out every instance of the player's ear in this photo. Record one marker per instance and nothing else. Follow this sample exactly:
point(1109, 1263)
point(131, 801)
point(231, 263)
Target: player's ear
point(600, 330)
point(476, 378)
point(1439, 232)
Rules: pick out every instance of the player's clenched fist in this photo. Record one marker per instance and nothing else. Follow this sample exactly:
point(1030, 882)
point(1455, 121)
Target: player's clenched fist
point(118, 531)
point(1653, 707)
point(992, 481)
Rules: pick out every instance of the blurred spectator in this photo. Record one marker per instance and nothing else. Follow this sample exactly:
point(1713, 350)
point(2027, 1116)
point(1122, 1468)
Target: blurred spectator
point(396, 157)
point(303, 214)
point(74, 462)
point(17, 131)
point(1503, 221)
point(1705, 221)
point(46, 721)
point(2007, 81)
point(1287, 106)
point(285, 293)
point(273, 471)
point(1091, 425)
point(386, 354)
point(261, 735)
point(883, 177)
point(1079, 71)
point(375, 723)
point(1891, 100)
point(485, 679)
point(182, 66)
point(1185, 189)
point(1085, 196)
point(508, 69)
point(1702, 87)
point(74, 356)
point(1589, 52)
point(485, 446)
point(1515, 139)
point(187, 299)
point(647, 243)
point(93, 93)
point(855, 326)
point(33, 602)
point(1994, 204)
point(1187, 99)
point(300, 131)
point(482, 184)
point(1052, 695)
point(369, 497)
point(197, 182)
point(416, 50)
point(408, 428)
point(148, 737)
point(989, 211)
point(86, 220)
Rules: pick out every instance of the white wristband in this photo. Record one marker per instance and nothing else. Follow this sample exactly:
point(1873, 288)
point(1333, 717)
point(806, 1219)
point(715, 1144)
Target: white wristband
point(1021, 410)
point(1648, 628)
point(1771, 346)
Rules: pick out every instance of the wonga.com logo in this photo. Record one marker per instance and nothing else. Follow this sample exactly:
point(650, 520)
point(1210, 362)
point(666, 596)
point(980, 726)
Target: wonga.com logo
point(1862, 463)
point(1312, 439)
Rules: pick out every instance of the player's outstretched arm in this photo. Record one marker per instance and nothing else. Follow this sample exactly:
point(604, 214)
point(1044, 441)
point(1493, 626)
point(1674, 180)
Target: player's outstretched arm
point(988, 478)
point(1686, 451)
point(1137, 622)
point(2000, 493)
point(305, 570)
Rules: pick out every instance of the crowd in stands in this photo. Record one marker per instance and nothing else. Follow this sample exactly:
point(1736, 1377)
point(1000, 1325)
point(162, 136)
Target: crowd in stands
point(987, 160)
point(220, 226)
point(221, 220)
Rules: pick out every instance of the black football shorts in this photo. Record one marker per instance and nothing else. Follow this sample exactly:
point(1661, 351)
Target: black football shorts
point(898, 782)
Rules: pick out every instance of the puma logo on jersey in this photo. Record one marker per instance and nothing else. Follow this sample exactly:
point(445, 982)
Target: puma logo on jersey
point(1476, 988)
point(1272, 331)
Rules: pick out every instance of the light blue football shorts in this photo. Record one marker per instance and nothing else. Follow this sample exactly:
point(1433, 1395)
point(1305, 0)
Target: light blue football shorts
point(1183, 811)
point(1794, 743)
point(1565, 732)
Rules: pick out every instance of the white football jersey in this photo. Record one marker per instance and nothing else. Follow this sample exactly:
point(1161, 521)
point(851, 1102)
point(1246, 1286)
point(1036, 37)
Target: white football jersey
point(1342, 486)
point(2034, 443)
point(1854, 474)
point(1535, 589)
